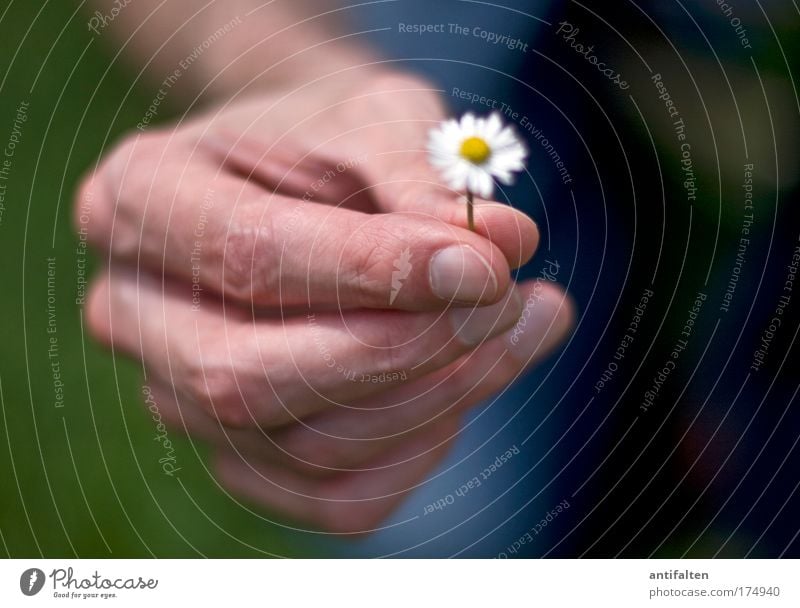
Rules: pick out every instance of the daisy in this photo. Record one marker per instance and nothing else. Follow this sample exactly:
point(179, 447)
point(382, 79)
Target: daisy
point(473, 152)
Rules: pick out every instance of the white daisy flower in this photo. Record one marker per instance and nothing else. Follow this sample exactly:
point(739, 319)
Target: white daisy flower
point(473, 152)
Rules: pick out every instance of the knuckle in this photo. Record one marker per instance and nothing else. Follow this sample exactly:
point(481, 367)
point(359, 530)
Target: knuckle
point(97, 315)
point(251, 269)
point(371, 265)
point(213, 386)
point(375, 253)
point(390, 357)
point(86, 195)
point(109, 196)
point(132, 150)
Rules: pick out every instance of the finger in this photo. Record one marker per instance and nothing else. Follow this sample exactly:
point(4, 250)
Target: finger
point(268, 371)
point(347, 438)
point(284, 168)
point(396, 180)
point(547, 319)
point(404, 182)
point(160, 204)
point(318, 457)
point(351, 503)
point(398, 173)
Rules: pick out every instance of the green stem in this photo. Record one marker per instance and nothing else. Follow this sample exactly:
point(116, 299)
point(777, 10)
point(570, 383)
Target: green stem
point(470, 214)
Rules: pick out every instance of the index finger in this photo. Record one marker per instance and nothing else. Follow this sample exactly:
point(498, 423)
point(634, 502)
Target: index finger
point(171, 208)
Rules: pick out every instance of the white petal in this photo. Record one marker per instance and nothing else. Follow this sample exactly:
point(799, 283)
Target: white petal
point(480, 128)
point(511, 156)
point(442, 162)
point(437, 135)
point(474, 179)
point(441, 148)
point(451, 130)
point(505, 138)
point(456, 176)
point(493, 127)
point(479, 182)
point(467, 125)
point(507, 156)
point(450, 125)
point(486, 189)
point(442, 137)
point(505, 176)
point(508, 162)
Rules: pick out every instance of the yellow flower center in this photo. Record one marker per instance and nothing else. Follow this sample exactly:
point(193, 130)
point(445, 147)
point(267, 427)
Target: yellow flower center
point(475, 150)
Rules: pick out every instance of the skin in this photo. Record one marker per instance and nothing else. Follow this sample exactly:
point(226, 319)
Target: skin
point(264, 320)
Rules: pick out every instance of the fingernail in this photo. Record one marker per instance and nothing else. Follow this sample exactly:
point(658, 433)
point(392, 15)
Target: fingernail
point(460, 273)
point(543, 324)
point(474, 325)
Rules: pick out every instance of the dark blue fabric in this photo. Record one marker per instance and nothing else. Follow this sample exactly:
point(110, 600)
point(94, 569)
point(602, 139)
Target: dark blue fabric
point(456, 58)
point(485, 521)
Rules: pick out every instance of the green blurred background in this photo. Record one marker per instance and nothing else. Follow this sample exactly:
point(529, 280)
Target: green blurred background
point(83, 479)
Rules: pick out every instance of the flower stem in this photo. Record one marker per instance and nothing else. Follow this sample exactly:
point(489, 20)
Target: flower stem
point(470, 215)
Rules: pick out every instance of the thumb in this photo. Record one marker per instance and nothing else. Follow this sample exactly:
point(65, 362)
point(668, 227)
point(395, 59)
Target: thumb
point(401, 179)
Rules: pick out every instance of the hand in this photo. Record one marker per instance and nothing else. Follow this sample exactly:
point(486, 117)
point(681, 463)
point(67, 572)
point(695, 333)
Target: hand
point(306, 297)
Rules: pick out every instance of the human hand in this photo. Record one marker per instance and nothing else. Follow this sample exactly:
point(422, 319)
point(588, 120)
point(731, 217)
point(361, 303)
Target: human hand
point(254, 280)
